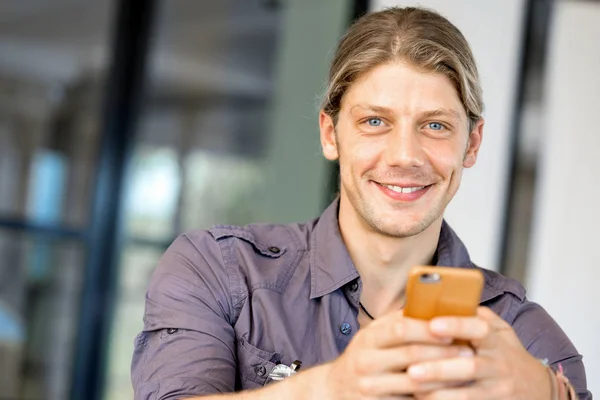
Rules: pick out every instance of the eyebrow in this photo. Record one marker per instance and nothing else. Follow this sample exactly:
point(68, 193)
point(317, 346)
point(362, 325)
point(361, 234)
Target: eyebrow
point(440, 112)
point(369, 107)
point(443, 112)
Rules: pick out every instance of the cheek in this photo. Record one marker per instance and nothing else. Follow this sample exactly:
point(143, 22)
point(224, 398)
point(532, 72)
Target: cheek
point(445, 157)
point(361, 153)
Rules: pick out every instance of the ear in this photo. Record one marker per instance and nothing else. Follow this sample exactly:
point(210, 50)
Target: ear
point(473, 144)
point(328, 142)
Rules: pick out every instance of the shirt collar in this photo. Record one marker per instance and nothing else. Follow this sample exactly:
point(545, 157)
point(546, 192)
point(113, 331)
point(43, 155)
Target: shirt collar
point(331, 266)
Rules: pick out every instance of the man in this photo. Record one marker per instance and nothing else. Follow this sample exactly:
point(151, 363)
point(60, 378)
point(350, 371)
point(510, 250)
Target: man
point(229, 307)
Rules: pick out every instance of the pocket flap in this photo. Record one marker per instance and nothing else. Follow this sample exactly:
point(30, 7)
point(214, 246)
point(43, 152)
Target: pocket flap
point(254, 364)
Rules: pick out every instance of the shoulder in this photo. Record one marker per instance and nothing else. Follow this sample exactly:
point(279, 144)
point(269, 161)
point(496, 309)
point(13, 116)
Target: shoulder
point(256, 240)
point(502, 294)
point(539, 333)
point(265, 239)
point(223, 264)
point(505, 296)
point(497, 285)
point(252, 255)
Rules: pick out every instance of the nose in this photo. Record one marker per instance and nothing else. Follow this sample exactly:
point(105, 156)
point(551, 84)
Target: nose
point(404, 148)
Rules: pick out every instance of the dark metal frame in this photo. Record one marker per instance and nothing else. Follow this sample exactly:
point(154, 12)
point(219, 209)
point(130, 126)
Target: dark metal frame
point(37, 228)
point(123, 96)
point(531, 22)
point(131, 33)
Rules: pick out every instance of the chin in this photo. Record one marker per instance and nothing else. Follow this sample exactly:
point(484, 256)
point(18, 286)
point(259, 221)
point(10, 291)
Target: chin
point(403, 231)
point(404, 227)
point(405, 222)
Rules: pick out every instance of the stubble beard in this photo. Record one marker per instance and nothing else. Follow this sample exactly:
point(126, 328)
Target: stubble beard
point(393, 228)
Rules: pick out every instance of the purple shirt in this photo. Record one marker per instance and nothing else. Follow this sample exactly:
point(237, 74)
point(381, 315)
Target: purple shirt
point(226, 305)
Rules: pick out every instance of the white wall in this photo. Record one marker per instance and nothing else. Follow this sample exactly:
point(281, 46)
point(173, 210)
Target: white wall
point(494, 31)
point(564, 271)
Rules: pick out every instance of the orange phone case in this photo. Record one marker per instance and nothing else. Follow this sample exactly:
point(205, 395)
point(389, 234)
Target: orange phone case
point(442, 291)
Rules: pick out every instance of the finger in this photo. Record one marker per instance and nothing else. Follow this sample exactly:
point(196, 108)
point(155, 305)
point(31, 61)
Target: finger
point(394, 385)
point(407, 397)
point(454, 369)
point(400, 358)
point(480, 391)
point(468, 328)
point(394, 330)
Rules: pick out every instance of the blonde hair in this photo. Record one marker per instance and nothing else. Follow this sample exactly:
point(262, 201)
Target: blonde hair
point(419, 36)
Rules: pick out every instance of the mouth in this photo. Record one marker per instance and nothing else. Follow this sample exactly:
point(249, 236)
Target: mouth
point(401, 189)
point(405, 192)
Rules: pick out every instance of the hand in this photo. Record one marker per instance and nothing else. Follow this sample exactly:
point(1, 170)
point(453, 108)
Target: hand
point(501, 369)
point(374, 364)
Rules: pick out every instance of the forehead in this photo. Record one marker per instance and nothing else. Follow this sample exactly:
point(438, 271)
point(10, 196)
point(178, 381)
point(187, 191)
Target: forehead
point(403, 88)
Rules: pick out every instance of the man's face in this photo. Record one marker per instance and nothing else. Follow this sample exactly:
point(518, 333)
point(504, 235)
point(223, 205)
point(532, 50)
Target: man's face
point(402, 141)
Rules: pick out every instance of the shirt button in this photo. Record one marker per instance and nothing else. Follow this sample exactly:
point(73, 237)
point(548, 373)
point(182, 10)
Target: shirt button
point(354, 287)
point(171, 331)
point(345, 328)
point(261, 370)
point(274, 250)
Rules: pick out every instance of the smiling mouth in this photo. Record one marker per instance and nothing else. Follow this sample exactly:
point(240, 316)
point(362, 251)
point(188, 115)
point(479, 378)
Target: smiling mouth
point(401, 189)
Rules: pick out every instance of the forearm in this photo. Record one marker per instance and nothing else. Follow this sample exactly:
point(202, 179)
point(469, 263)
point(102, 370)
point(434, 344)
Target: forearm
point(307, 385)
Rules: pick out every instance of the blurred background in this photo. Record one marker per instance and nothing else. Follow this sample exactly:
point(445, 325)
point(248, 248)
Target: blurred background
point(124, 123)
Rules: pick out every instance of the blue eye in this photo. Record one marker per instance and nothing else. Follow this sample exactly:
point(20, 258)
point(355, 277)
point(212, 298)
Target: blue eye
point(436, 126)
point(374, 122)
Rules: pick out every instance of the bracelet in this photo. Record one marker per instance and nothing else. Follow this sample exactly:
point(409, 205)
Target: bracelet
point(553, 384)
point(561, 387)
point(563, 381)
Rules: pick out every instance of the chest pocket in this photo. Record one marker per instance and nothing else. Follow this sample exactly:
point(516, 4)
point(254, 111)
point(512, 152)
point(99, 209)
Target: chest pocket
point(254, 365)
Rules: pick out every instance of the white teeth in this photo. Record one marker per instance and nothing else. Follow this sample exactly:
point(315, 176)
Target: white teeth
point(399, 189)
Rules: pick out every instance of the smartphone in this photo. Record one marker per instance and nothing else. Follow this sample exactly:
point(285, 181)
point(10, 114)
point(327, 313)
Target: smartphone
point(442, 291)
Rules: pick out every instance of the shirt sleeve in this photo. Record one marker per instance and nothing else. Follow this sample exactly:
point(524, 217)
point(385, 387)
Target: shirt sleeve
point(544, 339)
point(187, 346)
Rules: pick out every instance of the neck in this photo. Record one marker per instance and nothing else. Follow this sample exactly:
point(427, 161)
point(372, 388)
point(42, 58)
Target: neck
point(384, 261)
